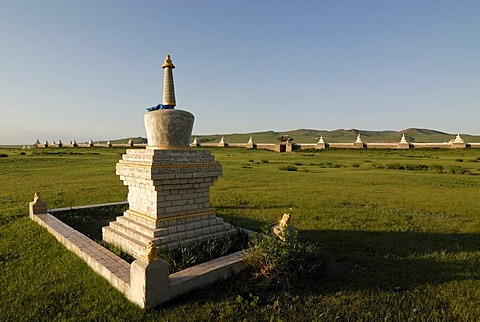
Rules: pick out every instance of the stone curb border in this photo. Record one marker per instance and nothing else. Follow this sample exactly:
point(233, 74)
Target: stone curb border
point(146, 284)
point(89, 206)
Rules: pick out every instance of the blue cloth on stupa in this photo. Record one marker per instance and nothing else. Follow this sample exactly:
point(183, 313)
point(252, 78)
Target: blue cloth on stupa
point(160, 107)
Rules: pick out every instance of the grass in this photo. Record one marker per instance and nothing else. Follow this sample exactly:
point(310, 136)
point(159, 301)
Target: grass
point(404, 244)
point(90, 221)
point(202, 251)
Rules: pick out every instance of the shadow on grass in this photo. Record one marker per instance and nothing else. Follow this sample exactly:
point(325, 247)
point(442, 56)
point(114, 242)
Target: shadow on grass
point(229, 215)
point(253, 207)
point(357, 261)
point(90, 221)
point(364, 261)
point(243, 222)
point(395, 260)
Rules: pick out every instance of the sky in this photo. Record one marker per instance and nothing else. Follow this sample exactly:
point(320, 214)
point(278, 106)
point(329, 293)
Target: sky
point(87, 69)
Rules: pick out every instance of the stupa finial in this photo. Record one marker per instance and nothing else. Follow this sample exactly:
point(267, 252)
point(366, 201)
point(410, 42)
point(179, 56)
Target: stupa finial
point(168, 88)
point(168, 128)
point(168, 62)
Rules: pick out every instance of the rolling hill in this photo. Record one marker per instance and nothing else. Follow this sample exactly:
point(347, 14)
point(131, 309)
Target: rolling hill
point(340, 136)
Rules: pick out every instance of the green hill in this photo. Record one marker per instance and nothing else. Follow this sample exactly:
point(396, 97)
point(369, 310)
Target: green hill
point(340, 136)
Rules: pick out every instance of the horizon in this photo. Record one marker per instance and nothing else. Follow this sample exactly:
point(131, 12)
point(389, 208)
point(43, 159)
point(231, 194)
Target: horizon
point(244, 133)
point(88, 70)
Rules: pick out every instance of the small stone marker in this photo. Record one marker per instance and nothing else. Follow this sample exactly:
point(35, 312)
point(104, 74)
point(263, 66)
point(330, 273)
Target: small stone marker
point(150, 253)
point(283, 228)
point(37, 206)
point(149, 279)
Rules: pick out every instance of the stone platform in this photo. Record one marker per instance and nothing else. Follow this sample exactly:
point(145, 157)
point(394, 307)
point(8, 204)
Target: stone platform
point(169, 198)
point(131, 279)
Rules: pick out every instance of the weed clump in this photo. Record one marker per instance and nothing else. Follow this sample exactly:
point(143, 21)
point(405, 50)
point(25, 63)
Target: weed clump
point(202, 251)
point(3, 155)
point(288, 168)
point(437, 168)
point(458, 170)
point(284, 260)
point(395, 166)
point(416, 167)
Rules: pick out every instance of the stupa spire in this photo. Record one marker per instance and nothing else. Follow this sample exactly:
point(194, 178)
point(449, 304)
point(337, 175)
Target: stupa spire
point(168, 88)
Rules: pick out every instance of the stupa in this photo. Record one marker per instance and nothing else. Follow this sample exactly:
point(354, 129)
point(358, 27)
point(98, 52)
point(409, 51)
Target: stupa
point(458, 142)
point(222, 142)
point(403, 144)
point(321, 143)
point(358, 142)
point(250, 143)
point(195, 143)
point(168, 183)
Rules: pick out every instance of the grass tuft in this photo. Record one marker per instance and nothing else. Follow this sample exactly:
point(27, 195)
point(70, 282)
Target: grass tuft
point(283, 260)
point(202, 251)
point(288, 168)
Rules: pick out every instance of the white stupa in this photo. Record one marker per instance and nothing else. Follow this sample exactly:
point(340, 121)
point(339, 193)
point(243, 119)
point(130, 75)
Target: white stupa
point(458, 139)
point(222, 142)
point(359, 140)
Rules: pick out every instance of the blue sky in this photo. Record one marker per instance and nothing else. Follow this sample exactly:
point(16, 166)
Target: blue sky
point(88, 69)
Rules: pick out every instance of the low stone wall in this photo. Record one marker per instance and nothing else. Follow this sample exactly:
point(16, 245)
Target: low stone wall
point(431, 145)
point(301, 146)
point(383, 145)
point(88, 145)
point(349, 145)
point(209, 145)
point(265, 146)
point(105, 263)
point(146, 284)
point(341, 145)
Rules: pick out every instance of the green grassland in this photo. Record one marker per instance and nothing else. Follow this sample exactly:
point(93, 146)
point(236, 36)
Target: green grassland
point(401, 230)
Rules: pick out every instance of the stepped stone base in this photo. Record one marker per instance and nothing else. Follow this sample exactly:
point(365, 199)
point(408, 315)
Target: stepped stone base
point(131, 232)
point(169, 198)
